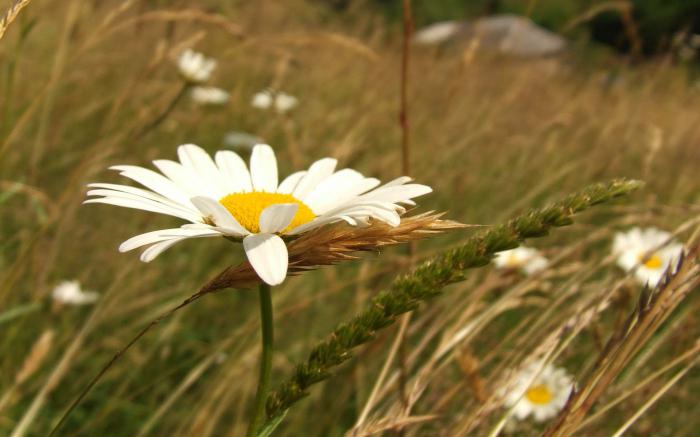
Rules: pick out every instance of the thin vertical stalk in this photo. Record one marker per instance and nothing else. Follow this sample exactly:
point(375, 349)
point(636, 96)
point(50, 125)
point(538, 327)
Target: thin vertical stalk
point(164, 114)
point(403, 112)
point(406, 170)
point(265, 360)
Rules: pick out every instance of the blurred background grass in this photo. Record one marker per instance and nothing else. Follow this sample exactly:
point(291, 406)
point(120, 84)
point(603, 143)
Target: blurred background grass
point(493, 135)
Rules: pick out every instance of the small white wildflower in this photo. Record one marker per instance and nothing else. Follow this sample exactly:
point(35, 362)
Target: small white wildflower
point(209, 95)
point(529, 260)
point(241, 140)
point(262, 100)
point(285, 102)
point(439, 33)
point(646, 252)
point(279, 101)
point(195, 67)
point(70, 293)
point(541, 396)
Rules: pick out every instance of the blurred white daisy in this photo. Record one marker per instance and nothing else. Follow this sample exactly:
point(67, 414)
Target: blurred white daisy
point(270, 99)
point(527, 259)
point(241, 140)
point(439, 33)
point(285, 102)
point(222, 197)
point(195, 67)
point(648, 252)
point(209, 95)
point(541, 395)
point(70, 293)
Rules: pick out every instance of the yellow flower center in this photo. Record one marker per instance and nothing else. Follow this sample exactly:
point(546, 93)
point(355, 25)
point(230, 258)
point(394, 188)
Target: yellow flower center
point(653, 262)
point(247, 207)
point(513, 261)
point(539, 394)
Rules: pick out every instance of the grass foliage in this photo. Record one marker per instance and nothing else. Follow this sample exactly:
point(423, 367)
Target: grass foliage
point(81, 84)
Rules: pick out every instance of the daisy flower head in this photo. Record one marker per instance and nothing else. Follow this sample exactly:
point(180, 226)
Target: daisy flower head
point(209, 95)
point(277, 100)
point(541, 395)
point(647, 252)
point(527, 259)
point(70, 293)
point(224, 197)
point(195, 67)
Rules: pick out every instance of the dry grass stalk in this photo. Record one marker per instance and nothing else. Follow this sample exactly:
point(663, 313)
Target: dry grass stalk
point(685, 356)
point(332, 244)
point(36, 356)
point(31, 364)
point(11, 15)
point(653, 308)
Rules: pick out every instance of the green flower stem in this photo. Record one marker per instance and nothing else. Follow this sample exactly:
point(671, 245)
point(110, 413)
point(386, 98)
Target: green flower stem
point(427, 281)
point(266, 322)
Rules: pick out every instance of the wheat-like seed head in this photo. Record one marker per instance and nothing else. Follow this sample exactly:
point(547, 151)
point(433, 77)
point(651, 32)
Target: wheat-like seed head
point(332, 244)
point(11, 15)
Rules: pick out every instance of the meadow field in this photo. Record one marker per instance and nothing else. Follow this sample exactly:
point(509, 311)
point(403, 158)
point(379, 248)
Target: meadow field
point(85, 85)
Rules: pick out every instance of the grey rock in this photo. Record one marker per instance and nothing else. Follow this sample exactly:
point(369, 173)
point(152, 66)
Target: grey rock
point(507, 34)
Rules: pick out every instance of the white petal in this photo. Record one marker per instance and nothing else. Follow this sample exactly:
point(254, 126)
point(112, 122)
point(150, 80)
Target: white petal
point(220, 215)
point(317, 173)
point(290, 182)
point(152, 252)
point(159, 202)
point(145, 194)
point(313, 224)
point(399, 193)
point(268, 255)
point(184, 178)
point(144, 205)
point(341, 187)
point(263, 168)
point(154, 181)
point(401, 180)
point(165, 234)
point(377, 211)
point(234, 171)
point(201, 165)
point(275, 218)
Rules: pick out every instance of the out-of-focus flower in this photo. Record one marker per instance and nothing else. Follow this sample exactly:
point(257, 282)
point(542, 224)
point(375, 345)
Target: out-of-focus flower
point(527, 259)
point(541, 396)
point(209, 95)
point(439, 33)
point(241, 140)
point(262, 100)
point(270, 99)
point(70, 293)
point(285, 102)
point(221, 197)
point(648, 252)
point(195, 67)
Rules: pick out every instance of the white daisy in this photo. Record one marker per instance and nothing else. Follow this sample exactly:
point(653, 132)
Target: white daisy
point(209, 95)
point(241, 140)
point(439, 33)
point(195, 67)
point(262, 100)
point(221, 197)
point(285, 102)
point(648, 252)
point(279, 101)
point(70, 293)
point(527, 259)
point(541, 396)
